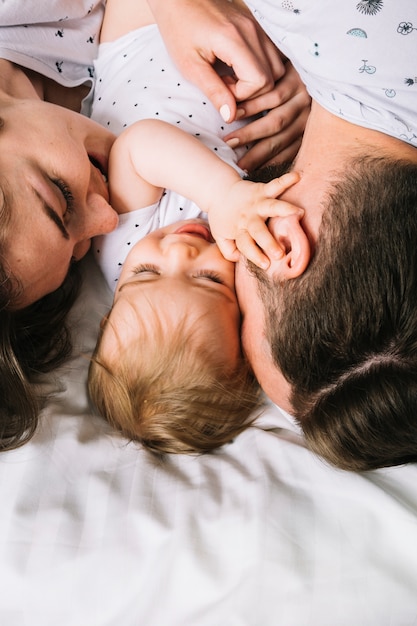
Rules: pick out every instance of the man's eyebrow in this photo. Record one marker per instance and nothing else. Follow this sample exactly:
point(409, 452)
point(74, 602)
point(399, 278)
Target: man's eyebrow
point(53, 215)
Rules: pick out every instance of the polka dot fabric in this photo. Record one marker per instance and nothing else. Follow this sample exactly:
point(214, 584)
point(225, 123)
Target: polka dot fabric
point(136, 79)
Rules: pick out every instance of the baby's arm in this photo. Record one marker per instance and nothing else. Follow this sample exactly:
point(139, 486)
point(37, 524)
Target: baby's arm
point(152, 155)
point(129, 188)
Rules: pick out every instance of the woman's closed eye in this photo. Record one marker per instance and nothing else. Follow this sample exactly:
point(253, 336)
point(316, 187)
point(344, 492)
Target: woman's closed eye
point(67, 194)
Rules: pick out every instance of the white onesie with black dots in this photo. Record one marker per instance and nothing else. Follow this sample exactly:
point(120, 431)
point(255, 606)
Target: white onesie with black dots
point(136, 79)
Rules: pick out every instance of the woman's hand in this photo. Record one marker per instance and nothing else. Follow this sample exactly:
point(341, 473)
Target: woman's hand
point(278, 133)
point(198, 33)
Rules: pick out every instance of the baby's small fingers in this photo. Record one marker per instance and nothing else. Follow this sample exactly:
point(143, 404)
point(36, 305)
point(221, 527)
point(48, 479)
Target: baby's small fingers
point(228, 249)
point(259, 232)
point(277, 186)
point(278, 208)
point(250, 250)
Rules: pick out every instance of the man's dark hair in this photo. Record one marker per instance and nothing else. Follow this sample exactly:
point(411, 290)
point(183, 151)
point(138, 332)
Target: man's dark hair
point(344, 334)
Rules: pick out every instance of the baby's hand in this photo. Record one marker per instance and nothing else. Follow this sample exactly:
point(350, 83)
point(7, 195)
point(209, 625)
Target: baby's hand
point(239, 224)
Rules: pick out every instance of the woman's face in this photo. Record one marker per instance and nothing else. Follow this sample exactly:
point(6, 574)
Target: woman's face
point(51, 184)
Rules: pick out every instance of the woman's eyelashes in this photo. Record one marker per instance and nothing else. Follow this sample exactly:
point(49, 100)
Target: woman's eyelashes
point(67, 195)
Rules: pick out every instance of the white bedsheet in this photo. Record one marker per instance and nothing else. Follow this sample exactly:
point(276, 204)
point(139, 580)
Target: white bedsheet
point(96, 532)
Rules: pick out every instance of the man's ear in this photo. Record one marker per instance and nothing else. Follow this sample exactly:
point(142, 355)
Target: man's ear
point(292, 239)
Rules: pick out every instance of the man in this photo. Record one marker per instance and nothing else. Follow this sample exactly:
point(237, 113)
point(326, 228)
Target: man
point(336, 344)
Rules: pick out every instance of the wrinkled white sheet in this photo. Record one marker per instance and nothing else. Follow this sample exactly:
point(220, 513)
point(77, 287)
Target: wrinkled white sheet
point(96, 532)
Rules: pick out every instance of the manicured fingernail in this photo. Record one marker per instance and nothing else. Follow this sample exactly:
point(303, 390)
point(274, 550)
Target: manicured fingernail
point(225, 112)
point(233, 143)
point(240, 113)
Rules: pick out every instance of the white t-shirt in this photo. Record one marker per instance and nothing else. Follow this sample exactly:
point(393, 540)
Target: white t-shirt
point(58, 38)
point(358, 59)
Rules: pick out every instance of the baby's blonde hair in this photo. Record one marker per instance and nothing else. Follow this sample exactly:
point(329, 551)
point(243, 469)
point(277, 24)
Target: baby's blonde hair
point(174, 394)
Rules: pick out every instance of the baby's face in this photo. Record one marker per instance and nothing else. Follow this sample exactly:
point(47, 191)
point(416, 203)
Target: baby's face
point(184, 250)
point(176, 272)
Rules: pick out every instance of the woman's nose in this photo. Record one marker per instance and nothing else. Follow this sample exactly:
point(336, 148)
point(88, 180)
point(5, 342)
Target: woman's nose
point(99, 217)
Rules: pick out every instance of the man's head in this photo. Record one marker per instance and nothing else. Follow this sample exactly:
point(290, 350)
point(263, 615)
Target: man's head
point(342, 336)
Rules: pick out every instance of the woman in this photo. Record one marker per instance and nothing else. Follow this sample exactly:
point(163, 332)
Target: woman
point(53, 197)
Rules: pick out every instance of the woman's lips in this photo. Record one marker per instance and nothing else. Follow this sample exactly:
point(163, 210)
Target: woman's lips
point(98, 183)
point(99, 162)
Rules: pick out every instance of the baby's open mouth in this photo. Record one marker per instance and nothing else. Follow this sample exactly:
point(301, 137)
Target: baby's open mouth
point(196, 229)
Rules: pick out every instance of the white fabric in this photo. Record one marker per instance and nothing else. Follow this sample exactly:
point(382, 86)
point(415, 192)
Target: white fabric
point(58, 39)
point(357, 59)
point(96, 532)
point(136, 79)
